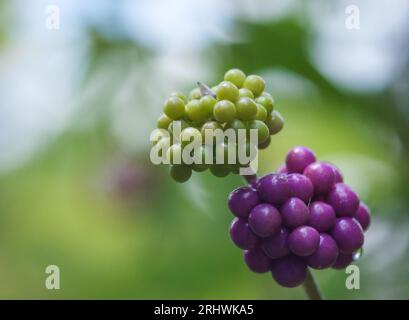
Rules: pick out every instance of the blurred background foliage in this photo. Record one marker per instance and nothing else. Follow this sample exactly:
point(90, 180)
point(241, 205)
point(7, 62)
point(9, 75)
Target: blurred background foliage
point(77, 105)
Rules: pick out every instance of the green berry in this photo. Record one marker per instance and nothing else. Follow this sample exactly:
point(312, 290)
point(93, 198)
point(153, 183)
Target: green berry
point(207, 104)
point(246, 108)
point(209, 128)
point(227, 91)
point(236, 124)
point(195, 112)
point(224, 111)
point(183, 125)
point(265, 144)
point(255, 84)
point(261, 113)
point(262, 130)
point(235, 76)
point(274, 122)
point(174, 108)
point(180, 173)
point(243, 92)
point(174, 154)
point(179, 95)
point(195, 94)
point(267, 101)
point(189, 135)
point(163, 122)
point(219, 170)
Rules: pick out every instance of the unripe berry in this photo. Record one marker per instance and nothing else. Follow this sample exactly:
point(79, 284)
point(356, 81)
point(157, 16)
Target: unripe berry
point(255, 84)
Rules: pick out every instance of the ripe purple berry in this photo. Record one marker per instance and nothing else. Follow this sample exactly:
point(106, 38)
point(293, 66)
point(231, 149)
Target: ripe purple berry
point(241, 234)
point(337, 173)
point(343, 260)
point(363, 216)
point(274, 188)
point(322, 216)
point(348, 234)
point(265, 220)
point(321, 175)
point(303, 241)
point(295, 213)
point(289, 271)
point(344, 201)
point(326, 254)
point(276, 246)
point(300, 186)
point(242, 201)
point(298, 159)
point(256, 260)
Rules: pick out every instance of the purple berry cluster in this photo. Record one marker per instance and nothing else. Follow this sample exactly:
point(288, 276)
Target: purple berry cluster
point(302, 216)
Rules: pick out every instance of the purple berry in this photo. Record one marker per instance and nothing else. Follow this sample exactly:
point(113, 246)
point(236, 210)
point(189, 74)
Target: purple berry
point(276, 246)
point(348, 234)
point(241, 234)
point(343, 260)
point(282, 169)
point(300, 186)
point(344, 201)
point(242, 201)
point(363, 215)
point(304, 241)
point(337, 173)
point(321, 175)
point(326, 254)
point(256, 260)
point(295, 213)
point(322, 216)
point(298, 159)
point(274, 188)
point(265, 220)
point(289, 271)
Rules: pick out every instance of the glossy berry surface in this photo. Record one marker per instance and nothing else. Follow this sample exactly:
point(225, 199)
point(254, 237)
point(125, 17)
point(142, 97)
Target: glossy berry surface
point(295, 223)
point(242, 201)
point(298, 159)
point(363, 216)
point(303, 241)
point(322, 216)
point(326, 254)
point(295, 213)
point(300, 186)
point(344, 201)
point(241, 234)
point(321, 175)
point(239, 102)
point(289, 271)
point(348, 234)
point(265, 220)
point(276, 246)
point(256, 260)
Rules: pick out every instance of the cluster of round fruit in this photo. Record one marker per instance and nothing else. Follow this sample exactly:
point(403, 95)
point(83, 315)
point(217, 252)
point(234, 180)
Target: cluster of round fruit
point(302, 216)
point(238, 102)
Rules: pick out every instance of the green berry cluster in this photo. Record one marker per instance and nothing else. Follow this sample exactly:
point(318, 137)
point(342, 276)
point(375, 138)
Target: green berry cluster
point(238, 102)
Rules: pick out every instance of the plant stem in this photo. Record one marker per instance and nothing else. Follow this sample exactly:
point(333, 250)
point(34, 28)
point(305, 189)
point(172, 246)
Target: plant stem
point(310, 286)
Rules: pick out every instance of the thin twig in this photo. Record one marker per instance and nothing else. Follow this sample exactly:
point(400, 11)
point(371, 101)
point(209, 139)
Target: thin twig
point(311, 288)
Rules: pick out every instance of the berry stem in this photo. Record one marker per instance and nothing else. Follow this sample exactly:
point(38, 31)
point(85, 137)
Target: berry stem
point(250, 178)
point(310, 286)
